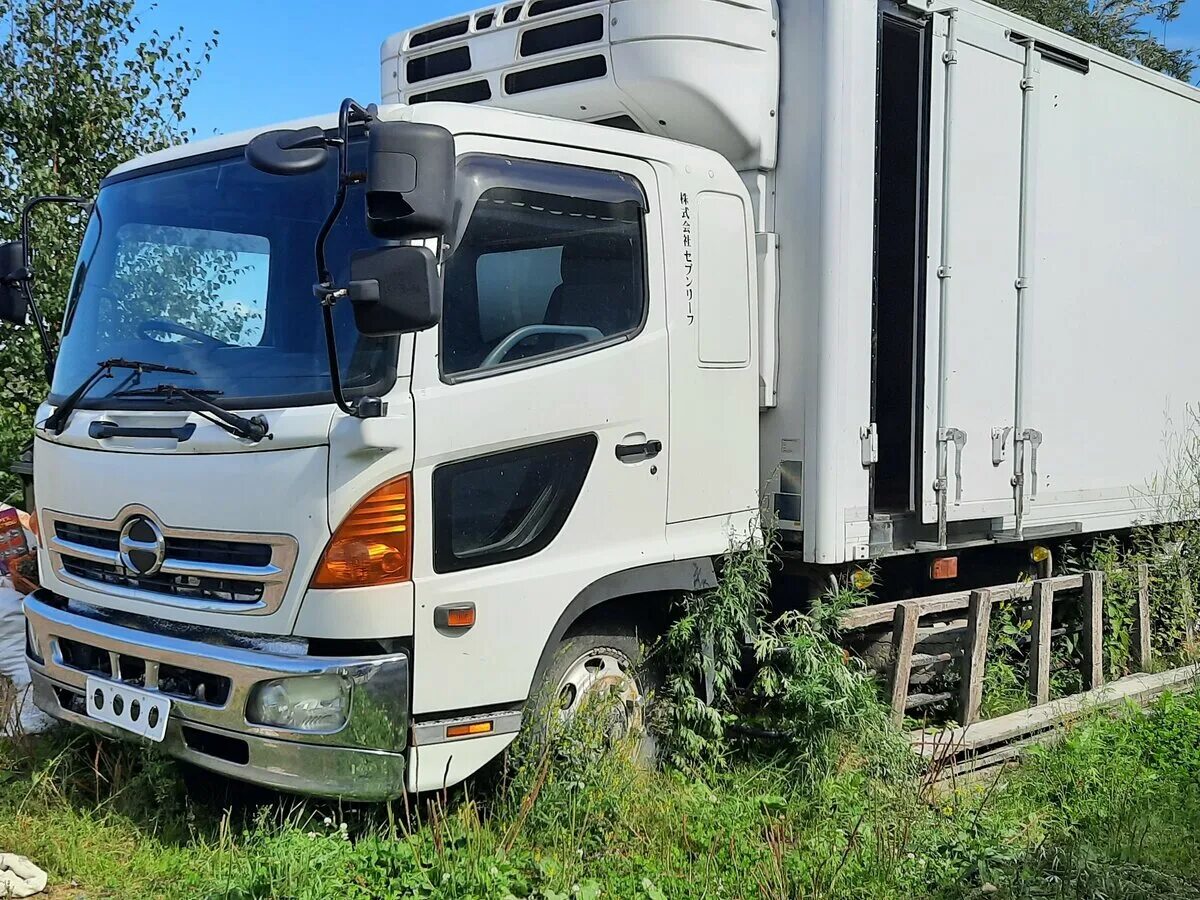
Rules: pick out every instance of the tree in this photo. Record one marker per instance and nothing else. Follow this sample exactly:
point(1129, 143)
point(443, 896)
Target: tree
point(80, 92)
point(1119, 26)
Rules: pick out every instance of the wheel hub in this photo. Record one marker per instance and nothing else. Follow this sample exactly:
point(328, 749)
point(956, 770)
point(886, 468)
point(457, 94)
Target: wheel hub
point(601, 673)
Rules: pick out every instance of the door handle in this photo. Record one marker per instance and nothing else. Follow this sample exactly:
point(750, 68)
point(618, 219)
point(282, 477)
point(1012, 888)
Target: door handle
point(635, 453)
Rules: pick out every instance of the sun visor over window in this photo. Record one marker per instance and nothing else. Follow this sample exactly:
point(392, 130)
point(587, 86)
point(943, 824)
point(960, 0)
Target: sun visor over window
point(493, 175)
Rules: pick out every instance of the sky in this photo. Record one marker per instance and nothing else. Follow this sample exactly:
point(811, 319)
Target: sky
point(284, 59)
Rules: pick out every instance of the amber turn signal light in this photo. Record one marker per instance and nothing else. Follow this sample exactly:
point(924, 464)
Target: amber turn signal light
point(373, 545)
point(944, 568)
point(469, 730)
point(454, 618)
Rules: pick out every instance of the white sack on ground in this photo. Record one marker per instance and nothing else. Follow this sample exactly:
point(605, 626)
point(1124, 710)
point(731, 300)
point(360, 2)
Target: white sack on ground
point(19, 877)
point(14, 672)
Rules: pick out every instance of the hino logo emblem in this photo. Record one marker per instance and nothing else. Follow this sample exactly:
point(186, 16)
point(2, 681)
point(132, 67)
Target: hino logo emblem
point(142, 546)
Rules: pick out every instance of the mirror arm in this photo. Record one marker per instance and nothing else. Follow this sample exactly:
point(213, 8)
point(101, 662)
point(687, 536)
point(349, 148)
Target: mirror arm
point(351, 113)
point(27, 276)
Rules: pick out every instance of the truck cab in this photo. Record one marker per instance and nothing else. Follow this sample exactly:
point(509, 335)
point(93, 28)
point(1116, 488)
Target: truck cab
point(358, 605)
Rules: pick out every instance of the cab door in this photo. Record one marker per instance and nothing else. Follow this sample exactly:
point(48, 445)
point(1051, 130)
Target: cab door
point(541, 411)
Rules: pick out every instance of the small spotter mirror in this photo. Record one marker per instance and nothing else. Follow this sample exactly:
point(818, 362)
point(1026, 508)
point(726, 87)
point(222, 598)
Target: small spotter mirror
point(289, 152)
point(14, 301)
point(395, 290)
point(410, 180)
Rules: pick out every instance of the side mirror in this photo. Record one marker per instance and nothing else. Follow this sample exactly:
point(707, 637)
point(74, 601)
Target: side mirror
point(395, 290)
point(14, 300)
point(289, 152)
point(410, 180)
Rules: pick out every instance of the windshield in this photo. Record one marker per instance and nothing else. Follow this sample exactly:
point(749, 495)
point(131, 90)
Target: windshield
point(210, 267)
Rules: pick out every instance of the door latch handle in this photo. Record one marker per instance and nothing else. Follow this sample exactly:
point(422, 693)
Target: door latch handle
point(635, 453)
point(1033, 438)
point(959, 437)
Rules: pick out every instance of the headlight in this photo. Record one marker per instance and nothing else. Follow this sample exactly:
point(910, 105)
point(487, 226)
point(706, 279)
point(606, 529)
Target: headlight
point(32, 649)
point(314, 703)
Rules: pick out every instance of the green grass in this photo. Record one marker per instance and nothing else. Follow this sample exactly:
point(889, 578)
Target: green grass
point(1112, 810)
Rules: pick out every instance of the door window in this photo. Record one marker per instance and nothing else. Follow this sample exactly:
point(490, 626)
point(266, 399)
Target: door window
point(539, 275)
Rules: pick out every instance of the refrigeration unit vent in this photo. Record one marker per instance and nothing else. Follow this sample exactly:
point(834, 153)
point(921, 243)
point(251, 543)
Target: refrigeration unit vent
point(701, 71)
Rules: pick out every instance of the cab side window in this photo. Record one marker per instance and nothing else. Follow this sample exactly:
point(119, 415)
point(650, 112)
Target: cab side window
point(539, 275)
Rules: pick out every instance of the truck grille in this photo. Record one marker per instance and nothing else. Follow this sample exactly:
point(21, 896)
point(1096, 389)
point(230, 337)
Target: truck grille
point(190, 549)
point(191, 586)
point(209, 570)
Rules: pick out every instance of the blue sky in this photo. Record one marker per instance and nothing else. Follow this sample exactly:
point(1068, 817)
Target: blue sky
point(283, 59)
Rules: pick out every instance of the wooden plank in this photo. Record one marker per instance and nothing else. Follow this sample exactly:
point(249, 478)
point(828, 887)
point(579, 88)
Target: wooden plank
point(1141, 646)
point(941, 629)
point(979, 615)
point(1039, 642)
point(916, 701)
point(904, 638)
point(1092, 605)
point(924, 660)
point(1141, 688)
point(882, 613)
point(986, 766)
point(1003, 753)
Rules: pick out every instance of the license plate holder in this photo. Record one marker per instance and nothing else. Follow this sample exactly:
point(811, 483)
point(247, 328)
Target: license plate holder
point(139, 712)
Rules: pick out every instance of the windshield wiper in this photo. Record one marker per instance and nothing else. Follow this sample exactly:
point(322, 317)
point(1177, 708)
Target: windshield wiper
point(57, 421)
point(253, 429)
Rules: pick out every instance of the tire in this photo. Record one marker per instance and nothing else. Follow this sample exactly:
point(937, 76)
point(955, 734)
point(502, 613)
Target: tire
point(588, 665)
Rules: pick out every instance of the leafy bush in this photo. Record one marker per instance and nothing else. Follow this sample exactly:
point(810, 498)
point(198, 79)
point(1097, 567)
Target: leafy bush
point(82, 94)
point(736, 674)
point(1123, 27)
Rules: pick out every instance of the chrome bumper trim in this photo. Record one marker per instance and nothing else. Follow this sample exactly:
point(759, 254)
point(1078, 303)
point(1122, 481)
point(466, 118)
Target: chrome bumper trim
point(349, 774)
point(379, 704)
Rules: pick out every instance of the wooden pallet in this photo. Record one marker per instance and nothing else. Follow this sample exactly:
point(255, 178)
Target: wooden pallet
point(972, 637)
point(970, 752)
point(976, 749)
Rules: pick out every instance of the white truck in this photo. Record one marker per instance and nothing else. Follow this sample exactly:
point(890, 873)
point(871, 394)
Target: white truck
point(600, 276)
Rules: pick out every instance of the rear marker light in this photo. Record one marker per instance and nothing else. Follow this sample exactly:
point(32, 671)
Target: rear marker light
point(469, 730)
point(944, 568)
point(373, 545)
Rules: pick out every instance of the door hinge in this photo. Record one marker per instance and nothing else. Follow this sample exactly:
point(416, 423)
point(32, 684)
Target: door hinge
point(868, 438)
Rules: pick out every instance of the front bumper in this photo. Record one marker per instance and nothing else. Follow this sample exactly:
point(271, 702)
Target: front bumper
point(209, 684)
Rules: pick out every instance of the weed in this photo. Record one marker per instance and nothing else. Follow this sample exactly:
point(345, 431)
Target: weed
point(789, 781)
point(1112, 810)
point(705, 650)
point(733, 671)
point(1006, 671)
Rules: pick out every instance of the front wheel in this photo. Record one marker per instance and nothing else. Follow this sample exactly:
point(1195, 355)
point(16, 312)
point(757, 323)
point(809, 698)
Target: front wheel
point(605, 669)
